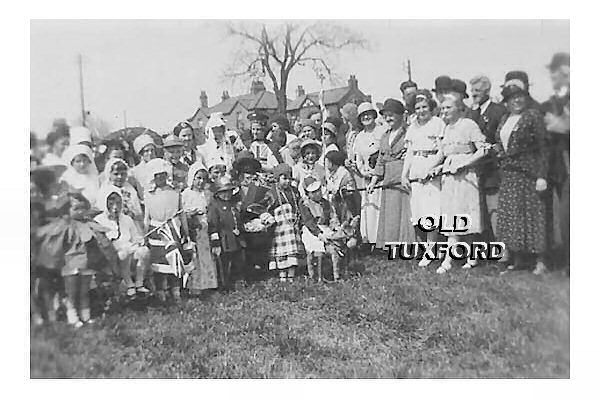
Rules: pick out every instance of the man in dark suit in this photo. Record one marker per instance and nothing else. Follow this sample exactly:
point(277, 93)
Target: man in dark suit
point(487, 115)
point(557, 112)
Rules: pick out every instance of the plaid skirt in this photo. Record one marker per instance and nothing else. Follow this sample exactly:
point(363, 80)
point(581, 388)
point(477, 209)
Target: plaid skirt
point(286, 250)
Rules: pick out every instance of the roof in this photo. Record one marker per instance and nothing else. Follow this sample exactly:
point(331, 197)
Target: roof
point(263, 100)
point(330, 96)
point(266, 100)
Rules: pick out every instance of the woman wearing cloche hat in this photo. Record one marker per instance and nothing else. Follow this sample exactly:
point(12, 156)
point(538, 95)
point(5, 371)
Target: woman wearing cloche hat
point(394, 219)
point(366, 150)
point(521, 208)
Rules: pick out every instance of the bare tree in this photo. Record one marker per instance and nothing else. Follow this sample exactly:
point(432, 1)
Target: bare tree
point(276, 50)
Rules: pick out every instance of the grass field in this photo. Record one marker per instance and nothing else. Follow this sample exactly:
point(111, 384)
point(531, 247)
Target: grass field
point(392, 322)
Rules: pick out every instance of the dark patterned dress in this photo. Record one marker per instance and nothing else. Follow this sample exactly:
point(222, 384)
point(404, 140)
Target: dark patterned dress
point(521, 209)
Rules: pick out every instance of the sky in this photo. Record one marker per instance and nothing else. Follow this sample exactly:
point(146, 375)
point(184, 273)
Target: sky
point(154, 70)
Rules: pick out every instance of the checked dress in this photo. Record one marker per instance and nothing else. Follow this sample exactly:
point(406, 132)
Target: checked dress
point(287, 249)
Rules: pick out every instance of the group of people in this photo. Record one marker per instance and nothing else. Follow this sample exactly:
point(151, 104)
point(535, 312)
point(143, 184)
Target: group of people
point(202, 209)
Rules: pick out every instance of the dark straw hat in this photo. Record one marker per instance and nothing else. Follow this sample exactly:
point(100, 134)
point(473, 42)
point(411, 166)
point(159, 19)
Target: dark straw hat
point(442, 83)
point(245, 162)
point(392, 105)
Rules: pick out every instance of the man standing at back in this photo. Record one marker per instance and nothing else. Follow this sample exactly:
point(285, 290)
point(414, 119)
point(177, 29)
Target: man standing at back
point(487, 116)
point(557, 112)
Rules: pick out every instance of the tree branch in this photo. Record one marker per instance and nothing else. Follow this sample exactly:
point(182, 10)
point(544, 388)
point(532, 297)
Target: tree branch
point(316, 61)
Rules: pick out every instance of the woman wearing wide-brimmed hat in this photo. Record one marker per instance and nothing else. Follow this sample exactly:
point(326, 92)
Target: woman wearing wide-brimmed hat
point(394, 218)
point(521, 206)
point(366, 151)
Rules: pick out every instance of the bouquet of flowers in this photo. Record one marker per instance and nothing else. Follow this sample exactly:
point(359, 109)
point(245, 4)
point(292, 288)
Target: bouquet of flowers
point(260, 224)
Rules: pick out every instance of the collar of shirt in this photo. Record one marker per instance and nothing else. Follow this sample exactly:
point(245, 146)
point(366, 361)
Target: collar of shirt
point(483, 107)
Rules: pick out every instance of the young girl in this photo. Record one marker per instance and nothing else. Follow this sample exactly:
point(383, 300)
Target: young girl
point(127, 240)
point(310, 151)
point(145, 147)
point(116, 173)
point(195, 201)
point(345, 203)
point(283, 202)
point(72, 241)
point(329, 140)
point(80, 175)
point(316, 226)
point(167, 229)
point(45, 276)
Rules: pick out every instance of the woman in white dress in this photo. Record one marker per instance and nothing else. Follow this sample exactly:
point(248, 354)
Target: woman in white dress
point(366, 150)
point(423, 140)
point(462, 145)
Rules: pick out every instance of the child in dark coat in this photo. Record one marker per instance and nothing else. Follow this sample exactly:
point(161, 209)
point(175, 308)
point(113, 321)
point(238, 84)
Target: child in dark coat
point(225, 229)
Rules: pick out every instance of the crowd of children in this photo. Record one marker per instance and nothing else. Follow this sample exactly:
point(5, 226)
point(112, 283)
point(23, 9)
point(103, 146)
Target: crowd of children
point(200, 218)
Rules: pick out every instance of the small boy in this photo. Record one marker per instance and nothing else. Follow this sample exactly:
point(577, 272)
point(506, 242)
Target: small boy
point(260, 148)
point(127, 240)
point(225, 229)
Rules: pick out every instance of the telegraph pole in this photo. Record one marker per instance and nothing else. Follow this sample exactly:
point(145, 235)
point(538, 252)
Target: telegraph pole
point(124, 118)
point(83, 114)
point(408, 69)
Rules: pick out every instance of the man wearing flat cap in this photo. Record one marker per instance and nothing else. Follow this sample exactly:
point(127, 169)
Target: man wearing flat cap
point(257, 116)
point(557, 112)
point(173, 151)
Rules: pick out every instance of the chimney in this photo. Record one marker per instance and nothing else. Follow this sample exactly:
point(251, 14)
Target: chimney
point(300, 91)
point(203, 99)
point(257, 87)
point(352, 82)
point(225, 95)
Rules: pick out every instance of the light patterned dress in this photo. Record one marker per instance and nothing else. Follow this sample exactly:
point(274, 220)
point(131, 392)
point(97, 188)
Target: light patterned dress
point(204, 275)
point(460, 191)
point(366, 148)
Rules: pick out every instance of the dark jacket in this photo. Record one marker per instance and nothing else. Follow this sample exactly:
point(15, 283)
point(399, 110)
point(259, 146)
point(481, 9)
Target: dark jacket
point(224, 219)
point(488, 124)
point(390, 160)
point(528, 145)
point(559, 143)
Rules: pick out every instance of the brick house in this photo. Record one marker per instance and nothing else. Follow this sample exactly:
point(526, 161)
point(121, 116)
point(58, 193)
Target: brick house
point(235, 109)
point(306, 104)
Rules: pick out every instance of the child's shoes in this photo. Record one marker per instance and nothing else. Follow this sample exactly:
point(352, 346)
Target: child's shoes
point(85, 316)
point(73, 319)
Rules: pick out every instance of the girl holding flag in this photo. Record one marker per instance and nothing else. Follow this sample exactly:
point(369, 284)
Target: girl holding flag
point(167, 229)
